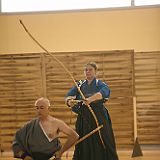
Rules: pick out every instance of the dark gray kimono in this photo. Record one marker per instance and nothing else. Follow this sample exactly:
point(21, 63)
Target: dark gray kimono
point(32, 140)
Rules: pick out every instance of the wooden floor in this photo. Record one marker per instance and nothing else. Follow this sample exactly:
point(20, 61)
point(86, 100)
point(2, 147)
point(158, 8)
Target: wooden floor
point(148, 154)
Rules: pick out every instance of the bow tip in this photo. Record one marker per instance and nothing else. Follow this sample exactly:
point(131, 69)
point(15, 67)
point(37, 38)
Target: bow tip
point(20, 21)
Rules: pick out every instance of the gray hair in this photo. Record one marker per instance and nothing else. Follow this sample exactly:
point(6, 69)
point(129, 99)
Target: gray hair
point(45, 100)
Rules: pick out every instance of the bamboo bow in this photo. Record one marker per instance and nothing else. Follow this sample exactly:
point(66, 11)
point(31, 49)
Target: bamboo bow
point(90, 109)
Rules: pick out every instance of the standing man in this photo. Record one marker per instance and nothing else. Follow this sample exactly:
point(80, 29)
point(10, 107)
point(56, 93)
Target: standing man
point(96, 93)
point(38, 139)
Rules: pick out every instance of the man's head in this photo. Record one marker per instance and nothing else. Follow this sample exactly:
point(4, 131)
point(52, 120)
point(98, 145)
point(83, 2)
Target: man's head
point(42, 105)
point(42, 101)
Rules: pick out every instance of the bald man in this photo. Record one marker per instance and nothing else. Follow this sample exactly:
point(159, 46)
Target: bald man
point(38, 139)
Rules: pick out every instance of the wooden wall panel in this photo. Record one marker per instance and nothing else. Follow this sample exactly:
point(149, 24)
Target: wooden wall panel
point(147, 83)
point(26, 77)
point(20, 85)
point(118, 72)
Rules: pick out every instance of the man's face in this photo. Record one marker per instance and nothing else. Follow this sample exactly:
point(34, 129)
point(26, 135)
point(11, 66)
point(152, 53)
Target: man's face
point(89, 72)
point(42, 108)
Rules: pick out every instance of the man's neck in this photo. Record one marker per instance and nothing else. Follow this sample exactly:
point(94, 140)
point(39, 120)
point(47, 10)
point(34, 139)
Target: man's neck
point(44, 118)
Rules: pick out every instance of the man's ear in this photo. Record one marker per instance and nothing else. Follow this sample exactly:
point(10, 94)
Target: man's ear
point(49, 108)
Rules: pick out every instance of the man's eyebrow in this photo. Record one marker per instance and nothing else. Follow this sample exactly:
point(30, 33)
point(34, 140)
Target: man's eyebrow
point(40, 106)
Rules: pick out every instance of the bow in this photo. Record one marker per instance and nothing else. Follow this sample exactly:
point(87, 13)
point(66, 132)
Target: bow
point(90, 109)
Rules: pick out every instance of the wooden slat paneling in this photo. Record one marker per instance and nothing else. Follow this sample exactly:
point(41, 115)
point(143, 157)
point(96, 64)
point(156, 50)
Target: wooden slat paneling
point(26, 77)
point(147, 84)
point(20, 85)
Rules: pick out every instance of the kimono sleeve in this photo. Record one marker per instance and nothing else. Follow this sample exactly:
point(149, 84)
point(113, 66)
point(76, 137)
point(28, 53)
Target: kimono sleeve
point(104, 90)
point(72, 92)
point(19, 142)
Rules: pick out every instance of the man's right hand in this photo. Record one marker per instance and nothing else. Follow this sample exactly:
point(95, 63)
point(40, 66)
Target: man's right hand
point(28, 158)
point(57, 159)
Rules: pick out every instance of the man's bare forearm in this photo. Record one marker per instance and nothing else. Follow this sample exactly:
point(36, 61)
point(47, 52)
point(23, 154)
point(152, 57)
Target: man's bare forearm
point(70, 141)
point(72, 138)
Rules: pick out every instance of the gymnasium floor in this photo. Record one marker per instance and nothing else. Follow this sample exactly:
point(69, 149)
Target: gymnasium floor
point(151, 153)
